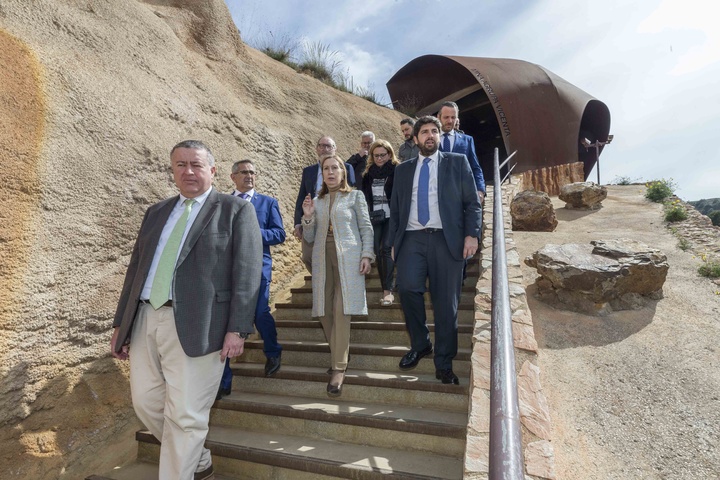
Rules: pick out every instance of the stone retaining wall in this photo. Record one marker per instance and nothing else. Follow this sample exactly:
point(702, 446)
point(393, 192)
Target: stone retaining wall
point(534, 410)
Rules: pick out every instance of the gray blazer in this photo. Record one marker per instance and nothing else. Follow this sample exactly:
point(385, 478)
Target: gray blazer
point(353, 235)
point(460, 210)
point(217, 276)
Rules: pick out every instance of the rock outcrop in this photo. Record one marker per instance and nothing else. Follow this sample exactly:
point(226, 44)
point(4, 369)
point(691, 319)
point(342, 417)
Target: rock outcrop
point(600, 277)
point(551, 179)
point(93, 95)
point(533, 211)
point(583, 195)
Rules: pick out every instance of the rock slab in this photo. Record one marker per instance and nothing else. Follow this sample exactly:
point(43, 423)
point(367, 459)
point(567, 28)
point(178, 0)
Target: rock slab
point(600, 277)
point(532, 211)
point(583, 195)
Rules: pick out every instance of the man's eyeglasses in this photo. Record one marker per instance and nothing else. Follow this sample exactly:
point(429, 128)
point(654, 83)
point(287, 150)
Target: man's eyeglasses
point(380, 155)
point(326, 145)
point(247, 172)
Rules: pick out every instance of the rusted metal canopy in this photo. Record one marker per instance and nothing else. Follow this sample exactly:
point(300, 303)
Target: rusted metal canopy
point(509, 104)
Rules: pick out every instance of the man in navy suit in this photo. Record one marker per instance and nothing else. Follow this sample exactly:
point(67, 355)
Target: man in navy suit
point(435, 222)
point(452, 140)
point(310, 184)
point(272, 231)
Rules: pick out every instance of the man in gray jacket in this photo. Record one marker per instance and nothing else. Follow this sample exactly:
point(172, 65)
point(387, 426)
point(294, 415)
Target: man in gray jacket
point(407, 149)
point(187, 303)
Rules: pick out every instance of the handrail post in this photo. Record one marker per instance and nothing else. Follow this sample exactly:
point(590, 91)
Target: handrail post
point(506, 459)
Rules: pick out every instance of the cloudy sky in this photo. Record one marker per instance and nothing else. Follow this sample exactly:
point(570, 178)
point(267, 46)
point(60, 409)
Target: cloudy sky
point(654, 63)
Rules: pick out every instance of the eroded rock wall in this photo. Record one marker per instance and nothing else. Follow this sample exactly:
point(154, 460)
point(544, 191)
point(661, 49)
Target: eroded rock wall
point(93, 94)
point(551, 179)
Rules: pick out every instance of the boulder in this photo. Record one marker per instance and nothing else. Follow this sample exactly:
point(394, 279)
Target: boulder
point(598, 278)
point(532, 211)
point(583, 195)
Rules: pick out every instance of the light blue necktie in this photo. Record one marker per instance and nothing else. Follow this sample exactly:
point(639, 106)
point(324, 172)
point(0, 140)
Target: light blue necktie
point(160, 291)
point(422, 193)
point(245, 196)
point(446, 142)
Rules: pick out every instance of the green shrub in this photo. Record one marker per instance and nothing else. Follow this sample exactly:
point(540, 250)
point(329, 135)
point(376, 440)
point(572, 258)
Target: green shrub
point(715, 217)
point(675, 212)
point(659, 190)
point(684, 245)
point(281, 47)
point(320, 62)
point(315, 59)
point(710, 268)
point(622, 180)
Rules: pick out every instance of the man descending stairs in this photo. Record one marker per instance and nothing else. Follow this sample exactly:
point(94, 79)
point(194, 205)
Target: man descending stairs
point(388, 423)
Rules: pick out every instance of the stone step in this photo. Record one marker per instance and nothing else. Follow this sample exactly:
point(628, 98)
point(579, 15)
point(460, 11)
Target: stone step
point(374, 295)
point(138, 470)
point(361, 332)
point(240, 453)
point(365, 356)
point(401, 428)
point(376, 313)
point(373, 279)
point(411, 388)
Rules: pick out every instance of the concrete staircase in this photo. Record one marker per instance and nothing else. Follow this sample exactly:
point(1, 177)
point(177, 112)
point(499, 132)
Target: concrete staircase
point(387, 423)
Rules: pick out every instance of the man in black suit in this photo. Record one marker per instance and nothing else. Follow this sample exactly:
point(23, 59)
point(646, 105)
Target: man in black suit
point(310, 184)
point(187, 304)
point(435, 222)
point(452, 140)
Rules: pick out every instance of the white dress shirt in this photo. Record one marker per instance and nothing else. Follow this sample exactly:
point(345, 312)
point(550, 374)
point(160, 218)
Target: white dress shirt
point(167, 230)
point(451, 137)
point(249, 193)
point(319, 181)
point(434, 221)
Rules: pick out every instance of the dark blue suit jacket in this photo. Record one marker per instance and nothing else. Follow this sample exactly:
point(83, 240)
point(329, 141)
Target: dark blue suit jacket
point(271, 228)
point(460, 210)
point(307, 186)
point(466, 145)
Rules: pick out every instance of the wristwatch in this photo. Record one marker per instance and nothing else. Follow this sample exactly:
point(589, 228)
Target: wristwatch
point(244, 336)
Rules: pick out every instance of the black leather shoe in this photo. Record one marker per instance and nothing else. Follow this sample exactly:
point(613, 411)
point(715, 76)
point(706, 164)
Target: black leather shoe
point(412, 358)
point(447, 376)
point(272, 366)
point(334, 386)
point(222, 392)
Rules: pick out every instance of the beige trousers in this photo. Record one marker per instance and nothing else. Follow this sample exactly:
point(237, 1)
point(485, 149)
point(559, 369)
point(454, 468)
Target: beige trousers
point(335, 323)
point(172, 393)
point(307, 249)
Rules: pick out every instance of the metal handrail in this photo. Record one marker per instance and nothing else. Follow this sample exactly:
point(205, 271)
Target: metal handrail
point(506, 459)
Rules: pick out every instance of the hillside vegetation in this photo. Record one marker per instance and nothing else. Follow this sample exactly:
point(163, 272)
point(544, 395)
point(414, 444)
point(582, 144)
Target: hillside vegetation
point(93, 94)
point(709, 207)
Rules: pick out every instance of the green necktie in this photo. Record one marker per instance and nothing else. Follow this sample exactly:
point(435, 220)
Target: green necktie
point(160, 292)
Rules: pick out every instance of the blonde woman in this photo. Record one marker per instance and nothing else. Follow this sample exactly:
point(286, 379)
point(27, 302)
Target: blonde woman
point(338, 223)
point(377, 184)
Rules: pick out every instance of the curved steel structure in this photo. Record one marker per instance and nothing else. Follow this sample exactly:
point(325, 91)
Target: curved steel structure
point(508, 104)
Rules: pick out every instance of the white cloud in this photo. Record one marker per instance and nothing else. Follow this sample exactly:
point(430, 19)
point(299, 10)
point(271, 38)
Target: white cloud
point(693, 27)
point(366, 68)
point(655, 63)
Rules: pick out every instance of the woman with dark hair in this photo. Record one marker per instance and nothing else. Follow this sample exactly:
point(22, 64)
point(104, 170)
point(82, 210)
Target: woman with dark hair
point(337, 222)
point(377, 185)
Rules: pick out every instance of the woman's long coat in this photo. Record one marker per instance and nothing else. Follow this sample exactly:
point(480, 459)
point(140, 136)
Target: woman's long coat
point(353, 240)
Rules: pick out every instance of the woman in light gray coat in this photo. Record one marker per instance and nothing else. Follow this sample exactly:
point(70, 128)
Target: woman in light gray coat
point(338, 223)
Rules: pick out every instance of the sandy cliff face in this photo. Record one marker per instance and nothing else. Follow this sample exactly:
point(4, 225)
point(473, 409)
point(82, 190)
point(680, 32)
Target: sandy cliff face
point(93, 94)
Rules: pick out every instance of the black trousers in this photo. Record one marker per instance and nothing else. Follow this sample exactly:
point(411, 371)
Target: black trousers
point(383, 250)
point(425, 256)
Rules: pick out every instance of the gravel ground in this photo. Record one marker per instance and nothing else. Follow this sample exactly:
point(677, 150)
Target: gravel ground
point(634, 395)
